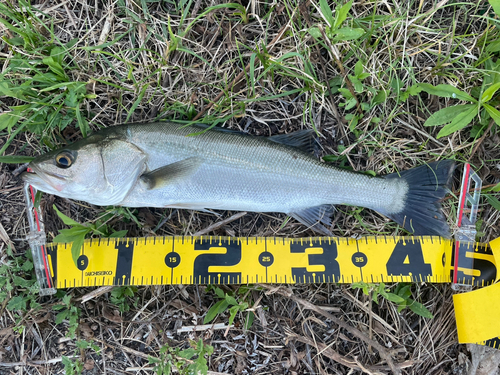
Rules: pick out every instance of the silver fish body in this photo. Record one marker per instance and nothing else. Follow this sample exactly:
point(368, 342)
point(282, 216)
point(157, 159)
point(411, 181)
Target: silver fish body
point(164, 165)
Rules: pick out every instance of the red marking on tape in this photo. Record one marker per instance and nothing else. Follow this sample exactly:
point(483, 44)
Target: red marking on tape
point(37, 220)
point(460, 215)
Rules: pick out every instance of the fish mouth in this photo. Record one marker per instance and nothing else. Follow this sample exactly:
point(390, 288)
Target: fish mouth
point(43, 180)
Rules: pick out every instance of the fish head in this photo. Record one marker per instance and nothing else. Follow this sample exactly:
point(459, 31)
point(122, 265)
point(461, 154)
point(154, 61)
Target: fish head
point(99, 170)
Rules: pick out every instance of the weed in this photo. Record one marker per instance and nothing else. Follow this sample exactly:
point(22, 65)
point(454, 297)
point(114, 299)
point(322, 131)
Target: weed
point(483, 98)
point(120, 295)
point(401, 296)
point(228, 301)
point(73, 365)
point(15, 159)
point(36, 78)
point(334, 31)
point(76, 234)
point(189, 361)
point(18, 286)
point(68, 311)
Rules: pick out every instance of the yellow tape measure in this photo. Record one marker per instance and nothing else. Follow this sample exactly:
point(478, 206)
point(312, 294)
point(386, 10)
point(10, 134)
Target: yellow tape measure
point(224, 260)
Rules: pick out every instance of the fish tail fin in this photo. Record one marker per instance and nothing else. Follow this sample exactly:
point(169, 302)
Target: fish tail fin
point(427, 186)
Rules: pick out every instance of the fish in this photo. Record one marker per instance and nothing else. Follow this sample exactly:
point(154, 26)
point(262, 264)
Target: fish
point(162, 164)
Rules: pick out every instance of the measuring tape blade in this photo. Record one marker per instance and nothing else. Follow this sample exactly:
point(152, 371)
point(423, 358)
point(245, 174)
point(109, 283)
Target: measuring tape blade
point(226, 260)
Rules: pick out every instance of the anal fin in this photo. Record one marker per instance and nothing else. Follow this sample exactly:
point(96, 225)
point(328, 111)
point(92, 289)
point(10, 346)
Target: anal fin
point(315, 217)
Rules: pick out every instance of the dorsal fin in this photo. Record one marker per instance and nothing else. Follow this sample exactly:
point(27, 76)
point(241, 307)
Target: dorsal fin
point(305, 140)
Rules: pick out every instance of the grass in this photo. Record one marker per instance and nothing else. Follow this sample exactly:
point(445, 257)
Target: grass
point(374, 79)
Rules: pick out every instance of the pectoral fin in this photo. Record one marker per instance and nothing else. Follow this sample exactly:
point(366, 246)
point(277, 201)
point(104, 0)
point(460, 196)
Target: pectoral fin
point(171, 173)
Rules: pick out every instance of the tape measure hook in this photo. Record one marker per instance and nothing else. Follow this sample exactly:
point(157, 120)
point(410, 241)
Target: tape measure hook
point(465, 235)
point(36, 240)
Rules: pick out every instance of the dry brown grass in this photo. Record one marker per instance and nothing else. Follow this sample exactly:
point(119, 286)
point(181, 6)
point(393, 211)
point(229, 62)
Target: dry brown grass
point(137, 78)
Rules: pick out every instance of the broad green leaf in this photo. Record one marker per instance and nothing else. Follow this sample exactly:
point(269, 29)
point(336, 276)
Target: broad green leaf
point(446, 115)
point(380, 98)
point(459, 122)
point(14, 92)
point(14, 159)
point(414, 90)
point(341, 14)
point(232, 314)
point(351, 103)
point(326, 12)
point(489, 92)
point(118, 234)
point(66, 361)
point(66, 220)
point(231, 300)
point(61, 316)
point(495, 189)
point(495, 203)
point(404, 292)
point(68, 235)
point(492, 72)
point(353, 121)
point(8, 120)
point(358, 68)
point(394, 298)
point(187, 353)
point(223, 306)
point(214, 311)
point(495, 4)
point(494, 113)
point(76, 246)
point(16, 41)
point(493, 46)
point(17, 303)
point(445, 91)
point(345, 93)
point(57, 53)
point(54, 66)
point(358, 86)
point(348, 33)
point(66, 299)
point(27, 266)
point(19, 281)
point(249, 320)
point(402, 306)
point(419, 309)
point(220, 293)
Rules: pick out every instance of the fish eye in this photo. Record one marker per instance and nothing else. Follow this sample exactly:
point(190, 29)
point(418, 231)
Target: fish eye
point(64, 159)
